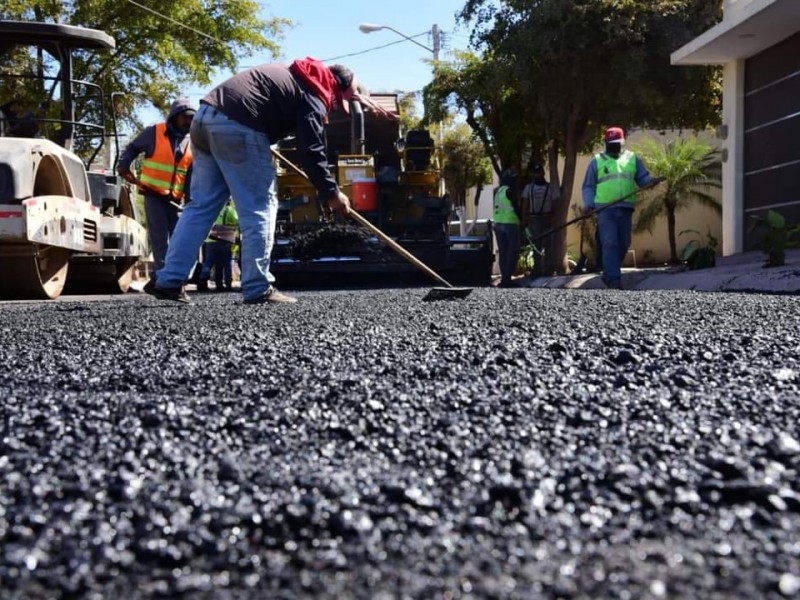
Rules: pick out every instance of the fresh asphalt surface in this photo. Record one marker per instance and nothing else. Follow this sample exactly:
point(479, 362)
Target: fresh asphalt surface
point(524, 443)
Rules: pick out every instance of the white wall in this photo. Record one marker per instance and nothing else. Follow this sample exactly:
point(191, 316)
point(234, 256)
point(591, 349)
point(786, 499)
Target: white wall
point(731, 7)
point(733, 158)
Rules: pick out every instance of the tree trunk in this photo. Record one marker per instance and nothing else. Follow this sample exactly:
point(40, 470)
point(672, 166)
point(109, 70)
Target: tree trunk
point(673, 246)
point(476, 202)
point(561, 209)
point(487, 144)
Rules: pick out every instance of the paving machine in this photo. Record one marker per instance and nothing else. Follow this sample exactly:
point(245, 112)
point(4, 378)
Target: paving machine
point(394, 181)
point(61, 221)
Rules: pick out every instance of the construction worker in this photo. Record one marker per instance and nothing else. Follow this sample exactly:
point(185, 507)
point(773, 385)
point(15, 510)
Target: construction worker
point(231, 137)
point(612, 176)
point(218, 250)
point(166, 173)
point(507, 218)
point(537, 198)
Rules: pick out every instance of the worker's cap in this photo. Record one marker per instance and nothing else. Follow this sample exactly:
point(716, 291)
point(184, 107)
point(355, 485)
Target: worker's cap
point(181, 106)
point(342, 75)
point(537, 168)
point(508, 178)
point(346, 87)
point(615, 135)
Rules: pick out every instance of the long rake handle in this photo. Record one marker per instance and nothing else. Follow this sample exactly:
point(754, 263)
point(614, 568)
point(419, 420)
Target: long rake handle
point(593, 213)
point(397, 248)
point(385, 238)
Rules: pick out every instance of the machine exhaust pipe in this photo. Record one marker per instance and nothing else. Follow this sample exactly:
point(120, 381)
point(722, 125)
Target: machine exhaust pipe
point(357, 135)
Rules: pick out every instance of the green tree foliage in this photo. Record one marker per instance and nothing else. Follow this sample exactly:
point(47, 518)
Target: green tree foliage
point(409, 114)
point(691, 169)
point(466, 164)
point(158, 51)
point(549, 75)
point(471, 85)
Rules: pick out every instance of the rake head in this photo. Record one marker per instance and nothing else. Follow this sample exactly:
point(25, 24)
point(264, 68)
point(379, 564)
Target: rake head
point(446, 293)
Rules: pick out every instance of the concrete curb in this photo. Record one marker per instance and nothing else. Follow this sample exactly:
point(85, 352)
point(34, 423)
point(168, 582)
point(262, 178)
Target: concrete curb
point(737, 273)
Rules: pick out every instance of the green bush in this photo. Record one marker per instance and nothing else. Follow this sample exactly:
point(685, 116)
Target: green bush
point(776, 237)
point(699, 253)
point(527, 258)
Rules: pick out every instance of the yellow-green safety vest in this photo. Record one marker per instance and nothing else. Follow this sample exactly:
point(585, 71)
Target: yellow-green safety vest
point(225, 226)
point(504, 212)
point(616, 178)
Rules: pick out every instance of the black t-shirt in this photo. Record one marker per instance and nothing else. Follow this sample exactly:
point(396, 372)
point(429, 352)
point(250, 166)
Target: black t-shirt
point(269, 99)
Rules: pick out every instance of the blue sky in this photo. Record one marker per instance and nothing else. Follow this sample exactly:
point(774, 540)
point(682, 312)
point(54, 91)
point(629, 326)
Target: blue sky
point(332, 31)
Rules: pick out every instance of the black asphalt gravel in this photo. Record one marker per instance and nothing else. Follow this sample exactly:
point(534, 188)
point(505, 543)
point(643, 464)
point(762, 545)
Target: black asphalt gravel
point(365, 444)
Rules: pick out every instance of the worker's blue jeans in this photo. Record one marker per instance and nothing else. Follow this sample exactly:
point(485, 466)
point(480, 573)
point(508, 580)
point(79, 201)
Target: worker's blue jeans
point(614, 226)
point(162, 217)
point(508, 248)
point(219, 256)
point(230, 160)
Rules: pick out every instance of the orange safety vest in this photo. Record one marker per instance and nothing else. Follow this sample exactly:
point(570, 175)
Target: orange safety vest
point(160, 172)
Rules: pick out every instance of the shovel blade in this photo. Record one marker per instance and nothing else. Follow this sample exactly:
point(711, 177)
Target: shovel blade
point(447, 293)
point(580, 266)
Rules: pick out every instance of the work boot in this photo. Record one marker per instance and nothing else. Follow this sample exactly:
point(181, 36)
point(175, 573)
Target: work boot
point(202, 285)
point(273, 296)
point(150, 286)
point(174, 294)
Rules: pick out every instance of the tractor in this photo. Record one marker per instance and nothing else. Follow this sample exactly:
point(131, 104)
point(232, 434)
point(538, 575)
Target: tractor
point(62, 222)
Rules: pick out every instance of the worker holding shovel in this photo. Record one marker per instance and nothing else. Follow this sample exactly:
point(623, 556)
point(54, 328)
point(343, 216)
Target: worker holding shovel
point(613, 178)
point(166, 174)
point(507, 217)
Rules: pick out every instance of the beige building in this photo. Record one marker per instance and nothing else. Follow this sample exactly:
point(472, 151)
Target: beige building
point(758, 45)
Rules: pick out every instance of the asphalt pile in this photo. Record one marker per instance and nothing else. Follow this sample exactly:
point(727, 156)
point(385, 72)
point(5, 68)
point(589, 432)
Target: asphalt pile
point(332, 240)
point(516, 444)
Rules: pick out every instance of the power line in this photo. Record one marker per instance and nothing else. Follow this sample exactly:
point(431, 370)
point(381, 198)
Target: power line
point(373, 48)
point(178, 23)
point(210, 37)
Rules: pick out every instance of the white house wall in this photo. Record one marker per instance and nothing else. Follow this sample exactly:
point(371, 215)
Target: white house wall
point(732, 133)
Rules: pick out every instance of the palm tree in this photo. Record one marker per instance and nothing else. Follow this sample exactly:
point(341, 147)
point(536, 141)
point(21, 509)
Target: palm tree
point(690, 168)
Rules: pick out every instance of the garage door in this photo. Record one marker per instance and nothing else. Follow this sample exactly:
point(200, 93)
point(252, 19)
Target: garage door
point(772, 134)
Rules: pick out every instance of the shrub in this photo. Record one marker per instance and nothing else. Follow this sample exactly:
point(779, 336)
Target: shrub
point(699, 253)
point(776, 237)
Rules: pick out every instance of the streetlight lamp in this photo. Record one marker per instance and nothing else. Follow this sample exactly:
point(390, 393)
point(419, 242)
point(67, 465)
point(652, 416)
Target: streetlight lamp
point(435, 33)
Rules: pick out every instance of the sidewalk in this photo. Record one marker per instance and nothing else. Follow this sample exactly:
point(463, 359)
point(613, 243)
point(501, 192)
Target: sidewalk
point(736, 273)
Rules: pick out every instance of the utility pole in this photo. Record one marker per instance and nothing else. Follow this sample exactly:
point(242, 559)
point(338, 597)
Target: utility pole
point(436, 34)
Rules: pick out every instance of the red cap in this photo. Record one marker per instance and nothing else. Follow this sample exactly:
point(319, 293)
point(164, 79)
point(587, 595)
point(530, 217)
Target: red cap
point(615, 134)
